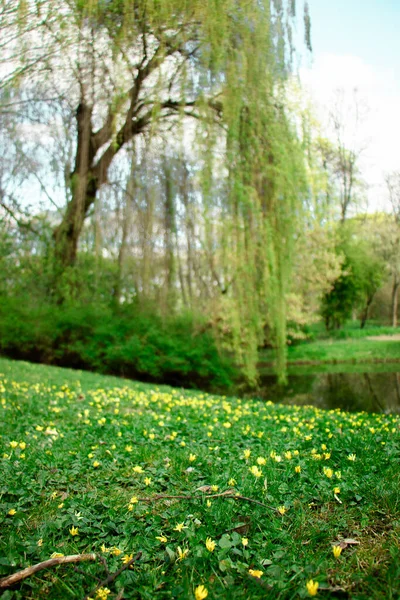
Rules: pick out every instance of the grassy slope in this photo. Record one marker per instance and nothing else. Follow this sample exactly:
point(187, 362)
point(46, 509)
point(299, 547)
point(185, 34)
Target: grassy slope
point(84, 436)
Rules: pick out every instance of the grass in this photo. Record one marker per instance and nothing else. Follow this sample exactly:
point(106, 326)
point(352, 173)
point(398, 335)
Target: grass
point(86, 459)
point(350, 330)
point(350, 348)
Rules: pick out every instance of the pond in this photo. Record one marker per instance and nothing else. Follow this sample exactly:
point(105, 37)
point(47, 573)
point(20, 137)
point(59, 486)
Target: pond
point(371, 388)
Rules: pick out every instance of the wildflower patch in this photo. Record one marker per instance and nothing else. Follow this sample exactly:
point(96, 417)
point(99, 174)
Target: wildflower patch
point(284, 502)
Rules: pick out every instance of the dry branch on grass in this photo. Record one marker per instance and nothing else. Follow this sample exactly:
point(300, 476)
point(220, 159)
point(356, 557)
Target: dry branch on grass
point(230, 493)
point(51, 562)
point(114, 575)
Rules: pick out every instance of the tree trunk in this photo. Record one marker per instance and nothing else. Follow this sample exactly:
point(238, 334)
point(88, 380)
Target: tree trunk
point(395, 295)
point(169, 232)
point(83, 189)
point(365, 313)
point(126, 221)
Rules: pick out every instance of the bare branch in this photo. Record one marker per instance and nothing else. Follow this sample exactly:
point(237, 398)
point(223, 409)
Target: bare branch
point(52, 562)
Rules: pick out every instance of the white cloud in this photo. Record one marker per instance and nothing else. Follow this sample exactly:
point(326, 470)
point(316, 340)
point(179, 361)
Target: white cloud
point(380, 130)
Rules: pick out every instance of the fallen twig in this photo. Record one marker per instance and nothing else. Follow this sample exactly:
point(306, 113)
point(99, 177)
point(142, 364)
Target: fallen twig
point(104, 563)
point(231, 493)
point(113, 576)
point(51, 562)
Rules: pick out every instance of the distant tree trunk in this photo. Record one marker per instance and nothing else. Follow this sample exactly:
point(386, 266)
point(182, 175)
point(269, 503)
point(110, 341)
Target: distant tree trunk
point(148, 235)
point(365, 313)
point(395, 295)
point(126, 221)
point(189, 230)
point(169, 232)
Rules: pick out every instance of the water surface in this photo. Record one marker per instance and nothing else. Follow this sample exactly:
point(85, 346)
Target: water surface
point(371, 388)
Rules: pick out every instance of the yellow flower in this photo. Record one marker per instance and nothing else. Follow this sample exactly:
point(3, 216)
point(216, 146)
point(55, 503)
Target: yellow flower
point(327, 455)
point(246, 454)
point(137, 469)
point(337, 551)
point(200, 592)
point(281, 510)
point(60, 505)
point(128, 448)
point(147, 480)
point(192, 457)
point(338, 474)
point(210, 544)
point(116, 551)
point(74, 531)
point(255, 573)
point(96, 464)
point(245, 541)
point(22, 445)
point(13, 444)
point(11, 512)
point(297, 469)
point(336, 490)
point(328, 472)
point(40, 542)
point(208, 503)
point(180, 526)
point(56, 555)
point(261, 461)
point(232, 482)
point(312, 587)
point(104, 549)
point(125, 559)
point(214, 488)
point(255, 471)
point(182, 553)
point(133, 500)
point(278, 458)
point(288, 455)
point(102, 593)
point(351, 457)
point(90, 455)
point(162, 539)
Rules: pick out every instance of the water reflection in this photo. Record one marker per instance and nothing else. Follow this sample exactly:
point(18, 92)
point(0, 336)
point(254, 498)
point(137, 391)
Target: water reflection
point(371, 392)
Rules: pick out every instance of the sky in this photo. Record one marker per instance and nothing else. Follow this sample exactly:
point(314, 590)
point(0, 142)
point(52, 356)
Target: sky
point(356, 44)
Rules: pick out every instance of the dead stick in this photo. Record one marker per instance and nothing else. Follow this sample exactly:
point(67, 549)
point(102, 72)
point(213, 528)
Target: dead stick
point(245, 499)
point(51, 562)
point(226, 494)
point(114, 576)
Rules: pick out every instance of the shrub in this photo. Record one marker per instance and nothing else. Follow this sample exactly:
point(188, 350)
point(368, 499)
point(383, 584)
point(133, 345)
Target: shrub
point(134, 343)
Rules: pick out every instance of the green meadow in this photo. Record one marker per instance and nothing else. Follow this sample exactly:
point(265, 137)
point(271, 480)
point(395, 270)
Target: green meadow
point(186, 495)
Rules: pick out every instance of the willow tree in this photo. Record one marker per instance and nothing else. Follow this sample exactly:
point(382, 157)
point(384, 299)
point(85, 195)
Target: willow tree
point(131, 68)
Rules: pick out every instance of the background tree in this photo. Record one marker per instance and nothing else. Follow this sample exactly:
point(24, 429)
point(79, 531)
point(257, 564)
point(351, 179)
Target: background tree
point(363, 273)
point(123, 72)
